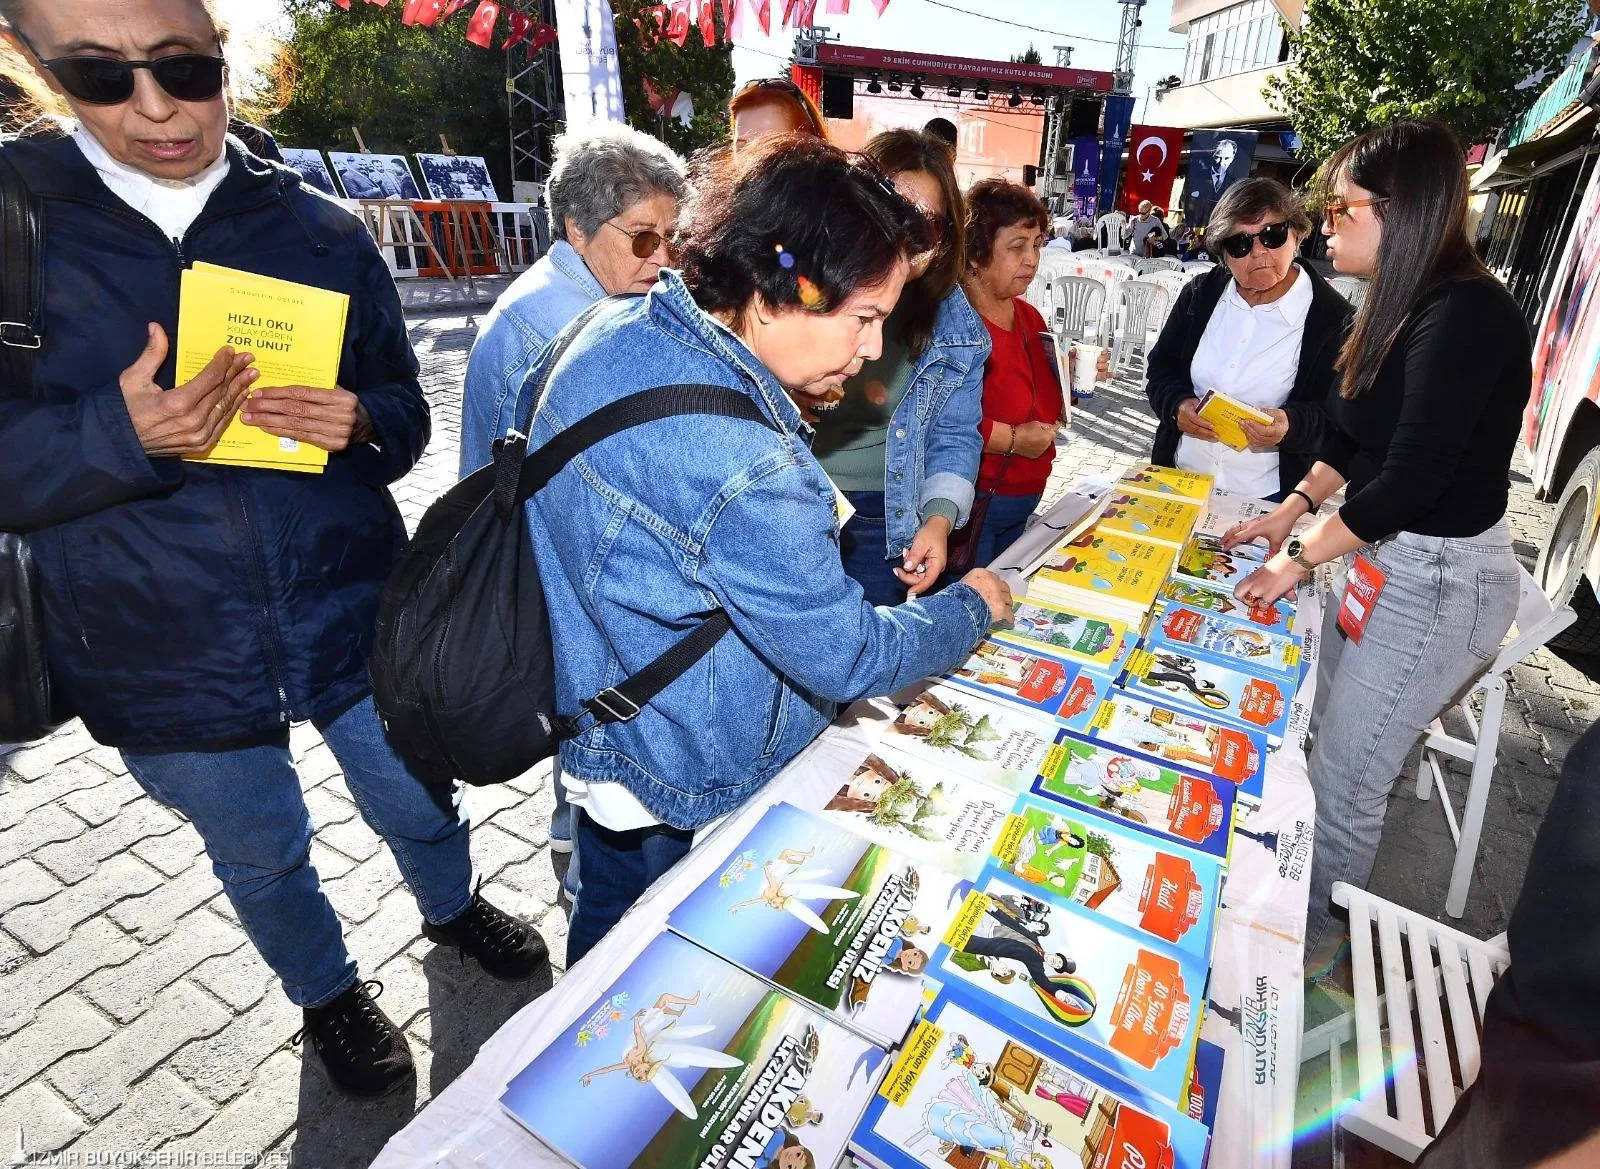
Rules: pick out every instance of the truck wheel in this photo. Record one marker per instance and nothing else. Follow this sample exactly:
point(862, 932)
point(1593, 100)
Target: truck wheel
point(1564, 554)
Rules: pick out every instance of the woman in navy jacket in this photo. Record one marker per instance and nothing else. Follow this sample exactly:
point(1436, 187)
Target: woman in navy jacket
point(194, 611)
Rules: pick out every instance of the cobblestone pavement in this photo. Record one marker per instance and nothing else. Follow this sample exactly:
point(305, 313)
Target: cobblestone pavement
point(134, 1014)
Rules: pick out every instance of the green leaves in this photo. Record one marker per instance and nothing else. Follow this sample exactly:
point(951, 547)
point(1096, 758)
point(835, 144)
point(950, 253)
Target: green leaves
point(704, 73)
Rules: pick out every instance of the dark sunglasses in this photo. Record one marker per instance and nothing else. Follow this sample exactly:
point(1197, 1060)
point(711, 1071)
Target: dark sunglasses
point(1272, 237)
point(645, 243)
point(108, 81)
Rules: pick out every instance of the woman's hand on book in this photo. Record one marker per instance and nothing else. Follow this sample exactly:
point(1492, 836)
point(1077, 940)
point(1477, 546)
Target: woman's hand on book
point(331, 419)
point(1190, 422)
point(994, 590)
point(1266, 438)
point(1275, 527)
point(189, 419)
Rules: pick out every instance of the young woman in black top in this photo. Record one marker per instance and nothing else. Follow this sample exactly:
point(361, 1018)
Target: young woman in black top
point(1432, 384)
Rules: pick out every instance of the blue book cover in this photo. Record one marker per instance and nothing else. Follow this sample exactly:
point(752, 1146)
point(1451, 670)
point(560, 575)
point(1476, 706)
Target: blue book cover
point(967, 1091)
point(1075, 984)
point(1064, 690)
point(1184, 739)
point(1168, 803)
point(825, 914)
point(687, 1061)
point(1191, 681)
point(1241, 644)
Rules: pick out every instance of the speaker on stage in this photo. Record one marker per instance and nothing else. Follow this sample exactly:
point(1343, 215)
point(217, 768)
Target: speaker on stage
point(838, 95)
point(1083, 120)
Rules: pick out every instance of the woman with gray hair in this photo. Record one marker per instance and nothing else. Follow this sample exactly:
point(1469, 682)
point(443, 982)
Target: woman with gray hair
point(1262, 328)
point(614, 195)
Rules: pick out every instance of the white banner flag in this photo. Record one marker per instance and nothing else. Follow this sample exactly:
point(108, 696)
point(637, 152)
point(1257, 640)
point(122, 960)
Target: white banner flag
point(590, 79)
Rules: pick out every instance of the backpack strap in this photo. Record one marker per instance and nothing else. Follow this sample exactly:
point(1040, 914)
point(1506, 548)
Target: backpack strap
point(21, 285)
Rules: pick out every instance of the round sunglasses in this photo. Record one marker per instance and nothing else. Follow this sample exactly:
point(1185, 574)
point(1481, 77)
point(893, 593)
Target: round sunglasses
point(1272, 237)
point(108, 81)
point(645, 243)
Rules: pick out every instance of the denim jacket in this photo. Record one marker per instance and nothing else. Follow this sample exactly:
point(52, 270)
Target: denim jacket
point(652, 529)
point(522, 322)
point(934, 445)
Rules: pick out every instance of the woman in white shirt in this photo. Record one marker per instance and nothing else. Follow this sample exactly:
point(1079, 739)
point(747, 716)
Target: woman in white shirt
point(1261, 328)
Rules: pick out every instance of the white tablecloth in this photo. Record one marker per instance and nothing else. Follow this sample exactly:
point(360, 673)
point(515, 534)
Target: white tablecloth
point(1254, 1000)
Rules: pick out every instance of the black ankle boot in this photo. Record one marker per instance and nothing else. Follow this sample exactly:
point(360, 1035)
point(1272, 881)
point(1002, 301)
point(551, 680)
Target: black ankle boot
point(506, 947)
point(365, 1053)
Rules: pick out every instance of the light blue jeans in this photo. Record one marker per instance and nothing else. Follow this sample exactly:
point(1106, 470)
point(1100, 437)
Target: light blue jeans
point(247, 807)
point(1438, 623)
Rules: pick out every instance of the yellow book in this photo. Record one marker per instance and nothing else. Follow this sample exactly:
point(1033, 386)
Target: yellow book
point(1169, 481)
point(296, 333)
point(1105, 572)
point(1224, 414)
point(1165, 519)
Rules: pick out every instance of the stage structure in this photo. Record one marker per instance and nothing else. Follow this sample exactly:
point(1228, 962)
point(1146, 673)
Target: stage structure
point(533, 94)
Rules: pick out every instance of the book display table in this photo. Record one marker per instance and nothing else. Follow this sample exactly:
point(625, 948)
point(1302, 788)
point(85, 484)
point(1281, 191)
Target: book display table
point(1252, 1004)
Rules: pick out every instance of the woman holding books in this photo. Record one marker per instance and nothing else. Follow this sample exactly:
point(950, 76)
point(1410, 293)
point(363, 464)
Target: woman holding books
point(903, 442)
point(1263, 329)
point(1432, 383)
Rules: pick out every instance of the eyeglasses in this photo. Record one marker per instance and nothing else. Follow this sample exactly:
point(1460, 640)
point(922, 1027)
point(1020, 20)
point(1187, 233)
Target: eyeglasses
point(645, 243)
point(1239, 244)
point(1336, 209)
point(108, 81)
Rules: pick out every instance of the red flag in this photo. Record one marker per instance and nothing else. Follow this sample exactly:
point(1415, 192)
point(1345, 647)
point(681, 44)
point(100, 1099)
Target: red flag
point(880, 5)
point(480, 29)
point(450, 9)
point(678, 30)
point(732, 18)
point(521, 26)
point(409, 14)
point(708, 22)
point(789, 7)
point(545, 35)
point(345, 4)
point(764, 16)
point(428, 15)
point(1152, 165)
point(838, 7)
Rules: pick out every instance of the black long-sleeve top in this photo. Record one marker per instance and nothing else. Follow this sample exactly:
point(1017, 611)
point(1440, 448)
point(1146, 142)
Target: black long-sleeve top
point(1427, 447)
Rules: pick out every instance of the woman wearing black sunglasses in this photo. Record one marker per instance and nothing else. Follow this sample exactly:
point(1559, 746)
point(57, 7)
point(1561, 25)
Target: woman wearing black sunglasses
point(1262, 328)
point(193, 611)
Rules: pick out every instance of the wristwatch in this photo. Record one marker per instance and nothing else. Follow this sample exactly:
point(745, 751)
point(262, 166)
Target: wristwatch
point(1295, 550)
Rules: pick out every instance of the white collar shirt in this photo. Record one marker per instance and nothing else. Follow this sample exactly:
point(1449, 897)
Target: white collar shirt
point(171, 204)
point(1252, 355)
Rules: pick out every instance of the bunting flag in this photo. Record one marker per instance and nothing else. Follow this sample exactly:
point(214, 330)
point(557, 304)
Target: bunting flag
point(345, 4)
point(733, 18)
point(838, 7)
point(880, 5)
point(542, 36)
point(480, 29)
point(764, 16)
point(1153, 153)
point(521, 26)
point(450, 9)
point(678, 26)
point(707, 21)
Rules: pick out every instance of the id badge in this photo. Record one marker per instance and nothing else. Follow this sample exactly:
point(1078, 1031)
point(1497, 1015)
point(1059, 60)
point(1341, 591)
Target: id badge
point(1363, 586)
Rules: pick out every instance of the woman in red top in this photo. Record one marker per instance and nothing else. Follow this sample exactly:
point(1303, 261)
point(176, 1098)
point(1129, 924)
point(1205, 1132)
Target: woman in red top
point(1022, 399)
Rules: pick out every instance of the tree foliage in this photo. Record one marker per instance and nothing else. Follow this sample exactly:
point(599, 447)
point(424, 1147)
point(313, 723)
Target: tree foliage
point(704, 72)
point(1031, 57)
point(1356, 64)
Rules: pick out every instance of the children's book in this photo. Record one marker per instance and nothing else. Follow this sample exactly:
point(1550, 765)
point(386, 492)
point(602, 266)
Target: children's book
point(1278, 617)
point(931, 815)
point(686, 1060)
point(1168, 803)
point(1225, 639)
point(1191, 682)
point(1225, 414)
point(1127, 722)
point(1166, 519)
point(1227, 509)
point(1040, 970)
point(1156, 480)
point(1083, 637)
point(965, 1091)
point(1099, 867)
point(1204, 561)
point(997, 743)
point(825, 914)
point(1104, 572)
point(1039, 681)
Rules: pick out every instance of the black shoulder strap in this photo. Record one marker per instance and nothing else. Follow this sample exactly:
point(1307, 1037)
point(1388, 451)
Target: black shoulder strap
point(21, 244)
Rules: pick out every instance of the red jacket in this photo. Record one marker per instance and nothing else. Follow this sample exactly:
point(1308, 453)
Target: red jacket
point(1019, 385)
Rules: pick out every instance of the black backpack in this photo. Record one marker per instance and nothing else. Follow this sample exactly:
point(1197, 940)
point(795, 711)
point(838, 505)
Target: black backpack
point(462, 669)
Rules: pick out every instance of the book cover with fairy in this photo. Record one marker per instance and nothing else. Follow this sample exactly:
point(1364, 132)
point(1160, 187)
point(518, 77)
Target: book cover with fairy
point(1241, 643)
point(1150, 517)
point(686, 1060)
point(966, 1092)
point(1127, 1005)
point(1096, 641)
point(996, 743)
point(1192, 682)
point(1169, 481)
point(916, 808)
point(1278, 617)
point(1102, 567)
point(1130, 723)
point(1169, 803)
point(826, 915)
point(1203, 560)
point(1040, 681)
point(1099, 867)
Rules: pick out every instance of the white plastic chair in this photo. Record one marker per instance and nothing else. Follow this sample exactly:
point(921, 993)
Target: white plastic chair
point(1142, 308)
point(1077, 305)
point(1198, 265)
point(1406, 1028)
point(1154, 264)
point(1352, 288)
point(1537, 622)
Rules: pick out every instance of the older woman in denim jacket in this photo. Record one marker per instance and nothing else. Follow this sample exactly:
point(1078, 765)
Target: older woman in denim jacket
point(903, 443)
point(614, 195)
point(794, 259)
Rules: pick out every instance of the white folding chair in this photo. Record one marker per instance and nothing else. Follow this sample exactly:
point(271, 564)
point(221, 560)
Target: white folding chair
point(1537, 622)
point(1077, 305)
point(1407, 1026)
point(1142, 306)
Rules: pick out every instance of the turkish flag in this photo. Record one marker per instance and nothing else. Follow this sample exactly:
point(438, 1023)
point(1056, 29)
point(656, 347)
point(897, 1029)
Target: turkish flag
point(764, 16)
point(707, 20)
point(733, 18)
point(521, 26)
point(1153, 153)
point(480, 29)
point(678, 27)
point(838, 7)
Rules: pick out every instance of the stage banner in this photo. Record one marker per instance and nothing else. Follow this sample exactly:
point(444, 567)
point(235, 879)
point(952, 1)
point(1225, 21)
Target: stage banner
point(590, 80)
point(1217, 160)
point(1119, 116)
point(1086, 176)
point(1153, 155)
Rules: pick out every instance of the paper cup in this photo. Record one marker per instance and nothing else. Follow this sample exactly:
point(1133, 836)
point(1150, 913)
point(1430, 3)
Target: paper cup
point(1085, 366)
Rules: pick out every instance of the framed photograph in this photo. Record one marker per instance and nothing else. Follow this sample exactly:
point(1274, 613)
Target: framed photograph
point(457, 177)
point(374, 176)
point(313, 168)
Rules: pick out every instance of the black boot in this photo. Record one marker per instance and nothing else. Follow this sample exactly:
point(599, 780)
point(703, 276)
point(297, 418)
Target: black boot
point(365, 1053)
point(507, 948)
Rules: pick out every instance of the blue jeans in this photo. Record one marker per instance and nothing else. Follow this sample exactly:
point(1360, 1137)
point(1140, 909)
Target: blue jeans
point(1003, 525)
point(247, 806)
point(862, 543)
point(617, 868)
